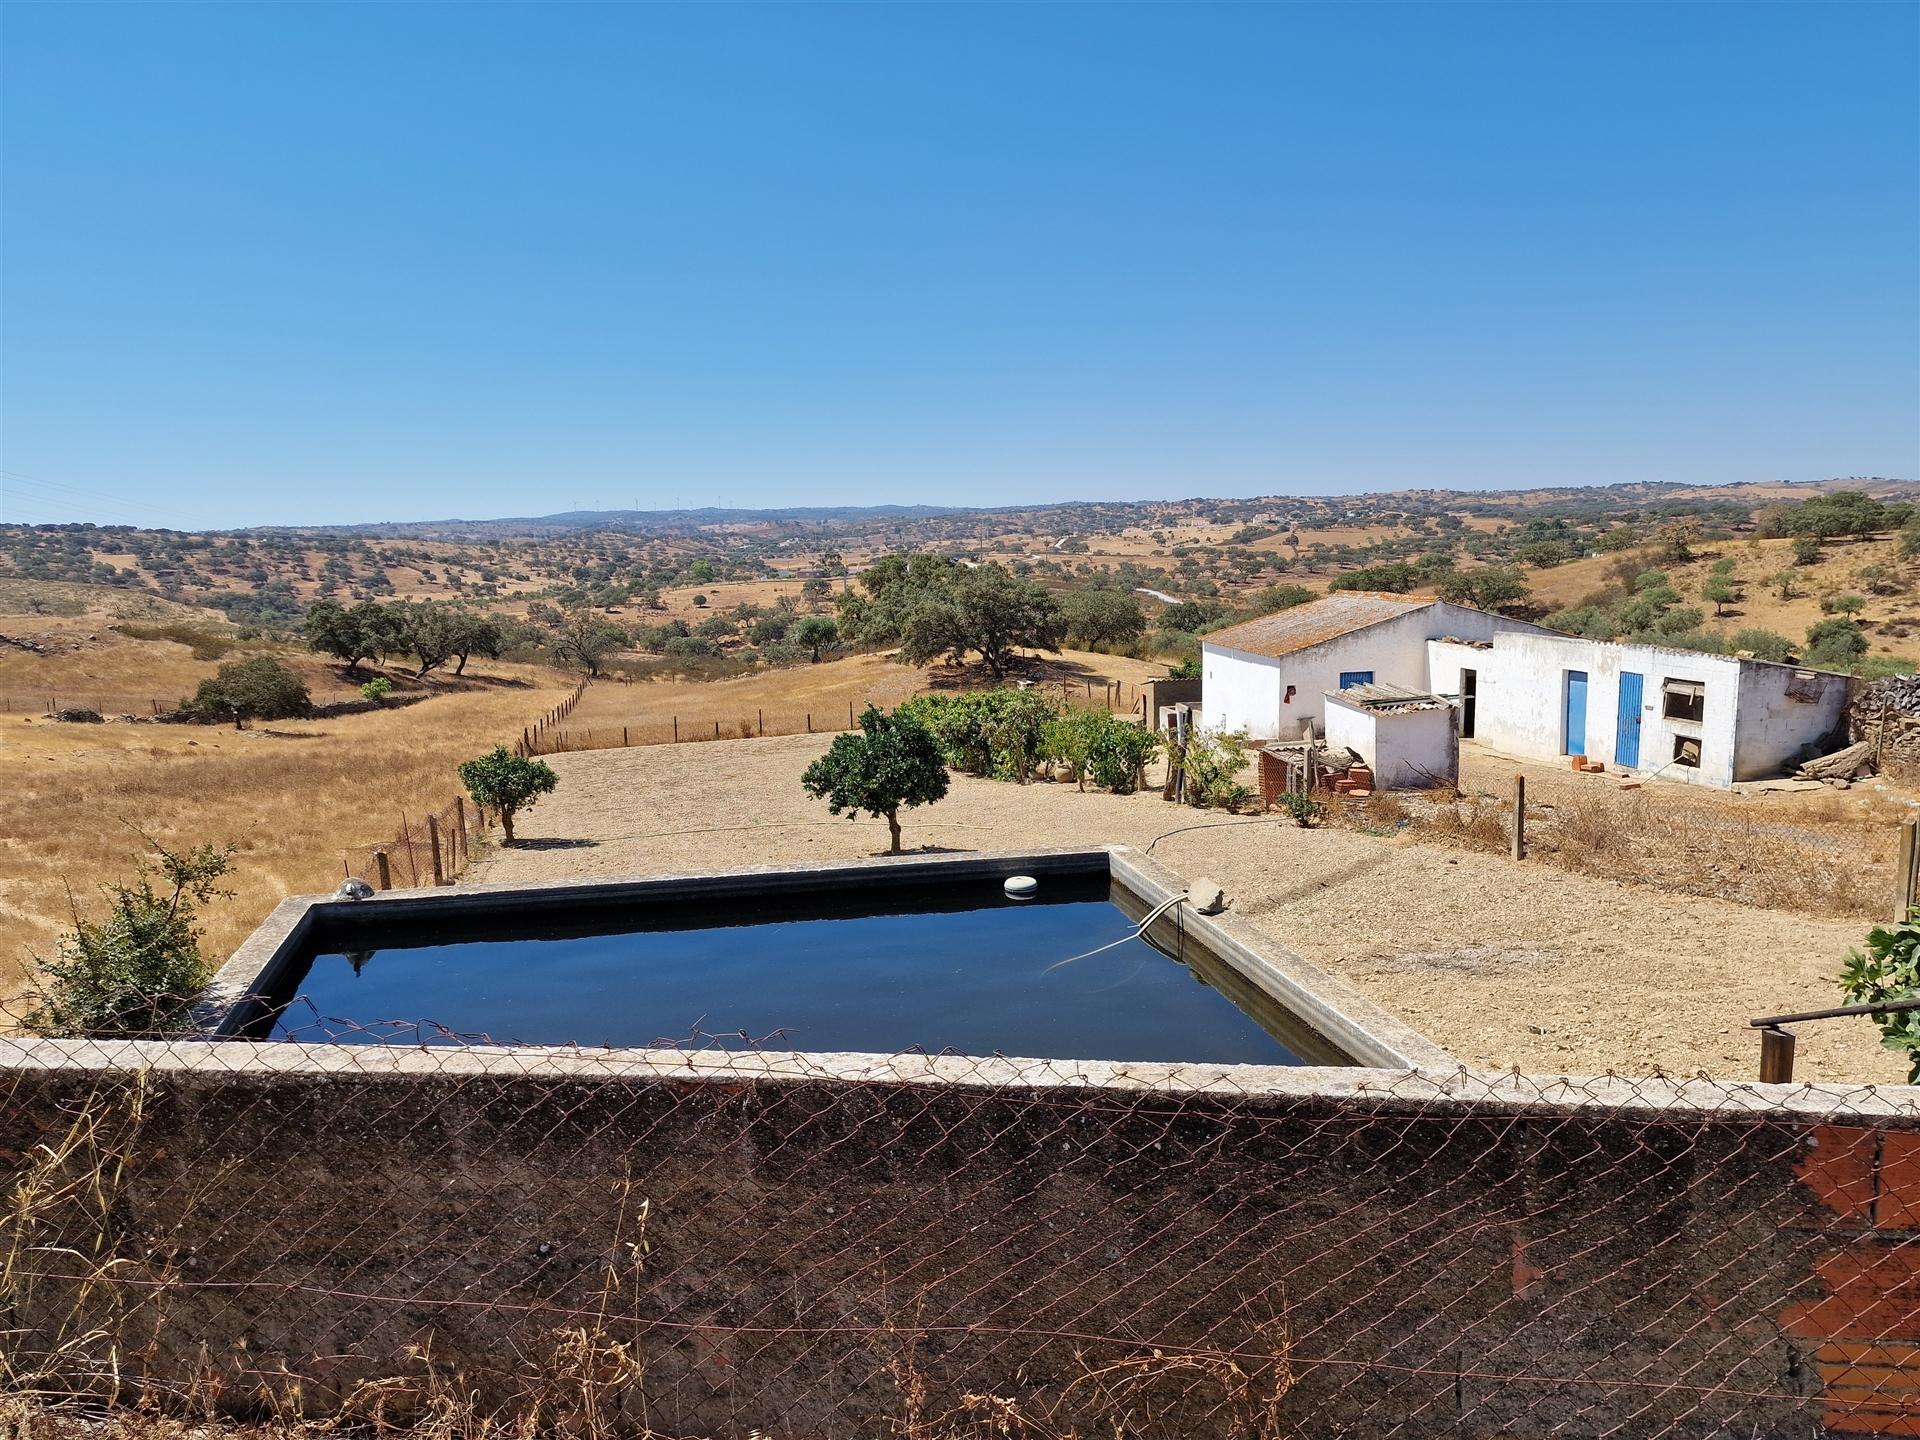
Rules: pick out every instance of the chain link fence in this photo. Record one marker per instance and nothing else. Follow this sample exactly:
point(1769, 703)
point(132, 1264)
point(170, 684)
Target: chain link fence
point(729, 1241)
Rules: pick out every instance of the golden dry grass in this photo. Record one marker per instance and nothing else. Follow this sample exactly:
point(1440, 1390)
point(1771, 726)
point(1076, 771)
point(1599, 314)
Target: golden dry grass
point(289, 794)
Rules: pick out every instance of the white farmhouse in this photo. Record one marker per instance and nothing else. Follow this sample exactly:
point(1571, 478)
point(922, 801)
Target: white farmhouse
point(1264, 677)
point(1520, 689)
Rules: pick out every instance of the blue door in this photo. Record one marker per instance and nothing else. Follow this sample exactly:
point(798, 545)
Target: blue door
point(1626, 738)
point(1576, 717)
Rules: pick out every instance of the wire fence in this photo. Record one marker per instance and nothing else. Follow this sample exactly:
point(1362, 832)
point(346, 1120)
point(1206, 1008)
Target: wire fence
point(746, 722)
point(435, 850)
point(47, 703)
point(742, 1242)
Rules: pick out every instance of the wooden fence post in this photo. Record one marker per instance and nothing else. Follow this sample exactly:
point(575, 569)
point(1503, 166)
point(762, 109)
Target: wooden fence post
point(623, 737)
point(809, 722)
point(676, 729)
point(1776, 1055)
point(433, 839)
point(1519, 817)
point(849, 714)
point(1904, 874)
point(716, 729)
point(761, 724)
point(383, 869)
point(460, 816)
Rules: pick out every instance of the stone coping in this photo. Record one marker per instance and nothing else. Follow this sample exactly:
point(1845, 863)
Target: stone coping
point(1353, 1024)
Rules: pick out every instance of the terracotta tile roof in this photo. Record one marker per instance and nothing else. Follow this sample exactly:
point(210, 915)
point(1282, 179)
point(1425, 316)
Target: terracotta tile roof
point(1340, 613)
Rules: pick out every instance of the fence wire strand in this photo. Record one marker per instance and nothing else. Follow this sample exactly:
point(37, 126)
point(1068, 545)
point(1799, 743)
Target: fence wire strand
point(728, 1239)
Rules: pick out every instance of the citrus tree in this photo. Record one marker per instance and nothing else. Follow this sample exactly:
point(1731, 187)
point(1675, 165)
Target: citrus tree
point(507, 782)
point(893, 762)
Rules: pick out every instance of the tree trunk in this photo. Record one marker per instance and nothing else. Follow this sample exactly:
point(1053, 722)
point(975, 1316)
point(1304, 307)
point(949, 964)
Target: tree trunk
point(893, 826)
point(506, 823)
point(461, 668)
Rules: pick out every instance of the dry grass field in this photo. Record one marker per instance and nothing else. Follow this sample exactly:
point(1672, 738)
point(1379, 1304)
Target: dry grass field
point(289, 794)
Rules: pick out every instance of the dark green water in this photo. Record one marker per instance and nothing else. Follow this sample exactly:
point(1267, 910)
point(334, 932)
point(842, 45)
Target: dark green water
point(979, 980)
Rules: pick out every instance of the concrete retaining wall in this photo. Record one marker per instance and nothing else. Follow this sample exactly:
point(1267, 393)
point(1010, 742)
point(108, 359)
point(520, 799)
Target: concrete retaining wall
point(802, 1244)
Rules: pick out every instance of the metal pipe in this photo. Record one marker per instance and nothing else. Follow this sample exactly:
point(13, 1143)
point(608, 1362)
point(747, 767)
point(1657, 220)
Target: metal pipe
point(1880, 1007)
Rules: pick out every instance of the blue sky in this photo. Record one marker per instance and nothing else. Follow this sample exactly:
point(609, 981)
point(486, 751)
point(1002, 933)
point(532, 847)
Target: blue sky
point(301, 263)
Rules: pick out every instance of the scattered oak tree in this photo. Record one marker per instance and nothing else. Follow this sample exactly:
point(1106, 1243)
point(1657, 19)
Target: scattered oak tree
point(1103, 617)
point(257, 689)
point(507, 782)
point(816, 632)
point(583, 638)
point(893, 762)
point(367, 631)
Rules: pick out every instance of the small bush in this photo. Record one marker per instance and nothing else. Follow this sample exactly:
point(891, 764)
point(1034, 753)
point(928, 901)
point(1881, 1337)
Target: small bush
point(257, 689)
point(1304, 809)
point(1889, 970)
point(376, 689)
point(135, 972)
point(508, 782)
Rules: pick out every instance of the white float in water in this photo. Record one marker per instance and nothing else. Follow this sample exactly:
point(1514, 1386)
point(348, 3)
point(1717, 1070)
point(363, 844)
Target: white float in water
point(1021, 887)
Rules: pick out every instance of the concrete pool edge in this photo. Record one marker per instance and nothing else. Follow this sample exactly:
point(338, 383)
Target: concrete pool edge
point(1361, 1030)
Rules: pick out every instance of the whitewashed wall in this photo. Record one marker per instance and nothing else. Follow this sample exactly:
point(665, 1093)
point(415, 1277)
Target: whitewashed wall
point(1785, 715)
point(1758, 718)
point(1405, 749)
point(1248, 692)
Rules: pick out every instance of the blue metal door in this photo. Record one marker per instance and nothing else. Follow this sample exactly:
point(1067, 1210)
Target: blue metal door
point(1626, 738)
point(1576, 718)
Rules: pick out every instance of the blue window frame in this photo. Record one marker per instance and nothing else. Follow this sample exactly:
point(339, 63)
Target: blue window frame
point(1351, 678)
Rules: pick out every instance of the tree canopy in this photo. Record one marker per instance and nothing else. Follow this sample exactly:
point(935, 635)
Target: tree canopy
point(894, 761)
point(507, 782)
point(932, 607)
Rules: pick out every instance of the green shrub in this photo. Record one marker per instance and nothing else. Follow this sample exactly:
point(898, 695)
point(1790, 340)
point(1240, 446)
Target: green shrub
point(376, 689)
point(1100, 745)
point(1763, 644)
point(1304, 809)
point(507, 782)
point(994, 732)
point(1835, 645)
point(1212, 762)
point(135, 972)
point(257, 689)
point(1889, 970)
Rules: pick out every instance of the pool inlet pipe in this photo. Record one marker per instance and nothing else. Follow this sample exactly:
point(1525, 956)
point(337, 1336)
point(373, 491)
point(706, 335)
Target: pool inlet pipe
point(1152, 915)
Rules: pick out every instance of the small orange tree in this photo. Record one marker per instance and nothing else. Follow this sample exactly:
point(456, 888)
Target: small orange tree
point(894, 761)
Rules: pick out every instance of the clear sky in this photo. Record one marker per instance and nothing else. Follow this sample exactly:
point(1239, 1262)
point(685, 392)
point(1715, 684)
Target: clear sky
point(304, 263)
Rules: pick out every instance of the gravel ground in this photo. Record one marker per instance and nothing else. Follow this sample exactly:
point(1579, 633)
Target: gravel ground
point(1505, 965)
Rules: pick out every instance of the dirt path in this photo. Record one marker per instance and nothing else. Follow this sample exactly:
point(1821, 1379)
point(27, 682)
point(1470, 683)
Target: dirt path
point(1504, 965)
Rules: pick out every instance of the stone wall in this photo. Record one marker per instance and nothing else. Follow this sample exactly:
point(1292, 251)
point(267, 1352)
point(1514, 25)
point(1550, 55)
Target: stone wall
point(818, 1246)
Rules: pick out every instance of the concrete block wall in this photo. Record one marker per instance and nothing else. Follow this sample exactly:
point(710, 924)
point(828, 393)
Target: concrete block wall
point(787, 1241)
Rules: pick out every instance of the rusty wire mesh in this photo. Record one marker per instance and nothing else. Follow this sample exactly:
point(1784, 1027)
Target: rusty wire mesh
point(734, 1242)
point(431, 849)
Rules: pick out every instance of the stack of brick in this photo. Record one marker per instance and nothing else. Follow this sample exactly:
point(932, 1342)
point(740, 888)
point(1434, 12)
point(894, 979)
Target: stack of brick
point(1358, 782)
